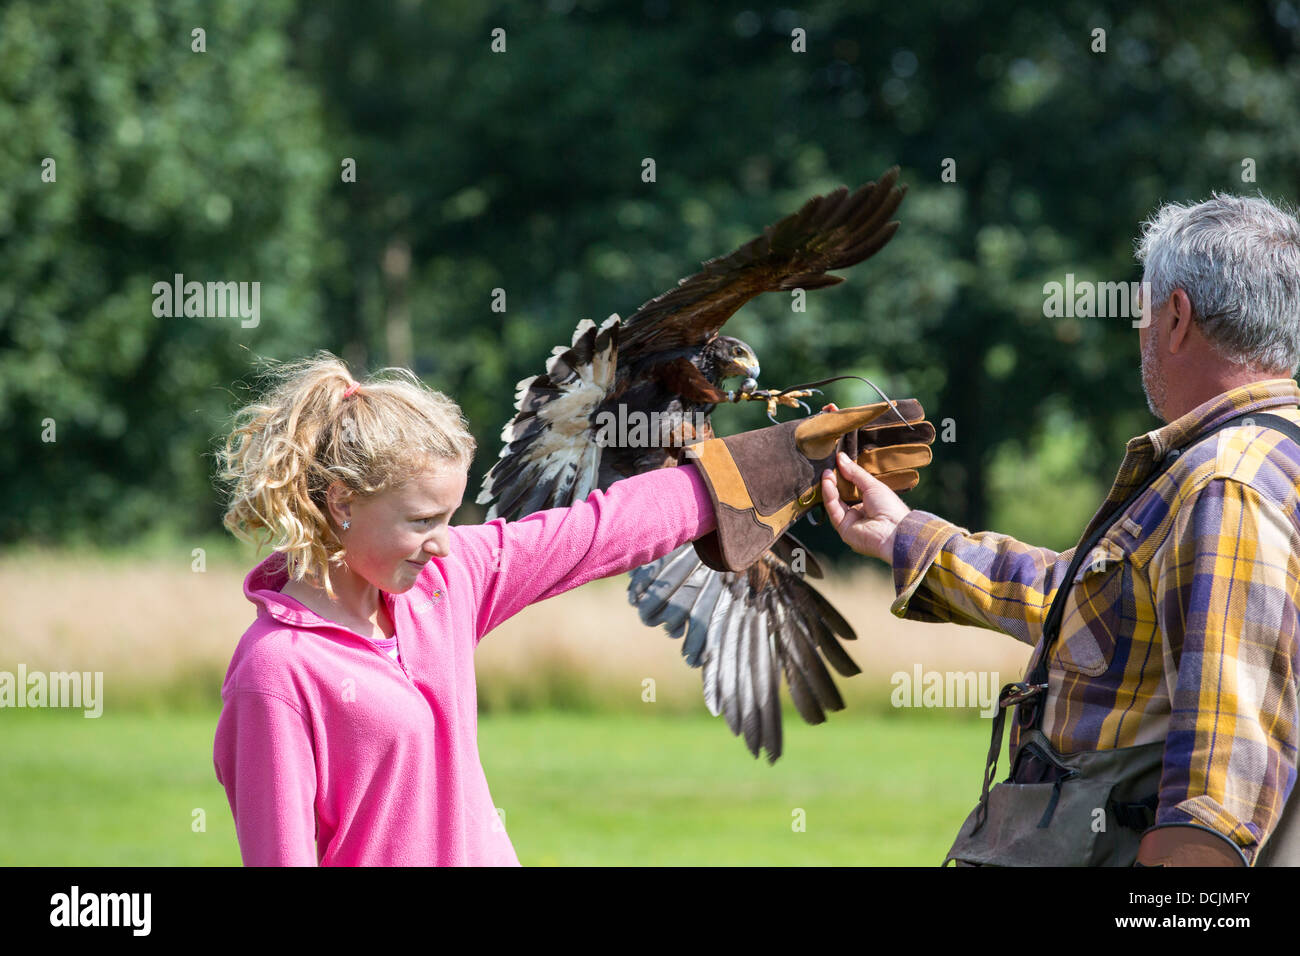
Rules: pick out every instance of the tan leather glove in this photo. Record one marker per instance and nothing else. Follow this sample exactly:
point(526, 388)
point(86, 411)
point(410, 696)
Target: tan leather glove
point(762, 481)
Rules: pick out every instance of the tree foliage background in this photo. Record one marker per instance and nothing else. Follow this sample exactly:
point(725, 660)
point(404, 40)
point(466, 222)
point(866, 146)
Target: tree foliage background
point(521, 170)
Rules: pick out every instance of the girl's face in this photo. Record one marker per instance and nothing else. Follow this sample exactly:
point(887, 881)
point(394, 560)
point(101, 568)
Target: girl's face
point(394, 534)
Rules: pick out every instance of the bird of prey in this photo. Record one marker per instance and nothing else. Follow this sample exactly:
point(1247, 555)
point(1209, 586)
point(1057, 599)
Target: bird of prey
point(666, 365)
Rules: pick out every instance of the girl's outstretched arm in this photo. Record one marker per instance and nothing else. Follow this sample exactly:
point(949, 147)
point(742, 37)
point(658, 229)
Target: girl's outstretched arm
point(636, 520)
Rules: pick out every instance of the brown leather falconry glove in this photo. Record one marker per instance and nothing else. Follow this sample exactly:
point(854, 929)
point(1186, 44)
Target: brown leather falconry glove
point(762, 481)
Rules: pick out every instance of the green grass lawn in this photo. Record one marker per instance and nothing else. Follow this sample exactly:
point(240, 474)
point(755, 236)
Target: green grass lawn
point(599, 789)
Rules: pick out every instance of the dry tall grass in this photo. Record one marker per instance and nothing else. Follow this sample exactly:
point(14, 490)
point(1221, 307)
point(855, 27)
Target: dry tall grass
point(163, 635)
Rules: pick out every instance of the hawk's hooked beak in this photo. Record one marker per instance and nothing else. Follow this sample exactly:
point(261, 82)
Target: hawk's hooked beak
point(746, 368)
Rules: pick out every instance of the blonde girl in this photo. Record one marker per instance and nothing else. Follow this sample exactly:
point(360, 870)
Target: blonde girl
point(348, 730)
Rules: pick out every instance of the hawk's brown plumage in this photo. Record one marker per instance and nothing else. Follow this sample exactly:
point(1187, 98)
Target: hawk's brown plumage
point(667, 363)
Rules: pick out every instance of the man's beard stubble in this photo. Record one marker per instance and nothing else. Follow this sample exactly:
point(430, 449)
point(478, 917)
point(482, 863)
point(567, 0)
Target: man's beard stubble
point(1153, 376)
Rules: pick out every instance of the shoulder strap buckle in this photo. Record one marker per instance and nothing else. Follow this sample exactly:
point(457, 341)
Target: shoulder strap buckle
point(1020, 691)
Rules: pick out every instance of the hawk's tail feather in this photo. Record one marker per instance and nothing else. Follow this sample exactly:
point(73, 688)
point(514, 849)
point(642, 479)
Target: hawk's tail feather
point(769, 690)
point(830, 647)
point(729, 670)
point(661, 588)
point(746, 630)
point(805, 659)
point(802, 562)
point(713, 652)
point(805, 701)
point(802, 642)
point(676, 613)
point(701, 614)
point(746, 664)
point(833, 618)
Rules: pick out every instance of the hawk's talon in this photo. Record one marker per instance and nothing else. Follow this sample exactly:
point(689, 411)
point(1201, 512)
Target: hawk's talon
point(774, 398)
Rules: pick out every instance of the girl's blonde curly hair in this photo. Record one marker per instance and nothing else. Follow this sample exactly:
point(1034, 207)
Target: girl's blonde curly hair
point(285, 451)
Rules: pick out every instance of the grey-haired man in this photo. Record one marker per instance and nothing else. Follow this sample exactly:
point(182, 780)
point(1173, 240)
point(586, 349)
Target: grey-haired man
point(1176, 631)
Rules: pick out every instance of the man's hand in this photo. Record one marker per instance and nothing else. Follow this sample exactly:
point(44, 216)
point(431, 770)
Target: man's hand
point(1187, 844)
point(867, 527)
point(762, 481)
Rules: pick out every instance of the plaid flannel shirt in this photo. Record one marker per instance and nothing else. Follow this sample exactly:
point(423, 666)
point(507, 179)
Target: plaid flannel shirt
point(1183, 627)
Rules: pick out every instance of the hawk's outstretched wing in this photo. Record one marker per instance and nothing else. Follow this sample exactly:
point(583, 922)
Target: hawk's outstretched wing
point(745, 629)
point(834, 231)
point(551, 456)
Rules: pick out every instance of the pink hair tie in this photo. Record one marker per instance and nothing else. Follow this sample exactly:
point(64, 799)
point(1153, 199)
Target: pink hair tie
point(351, 389)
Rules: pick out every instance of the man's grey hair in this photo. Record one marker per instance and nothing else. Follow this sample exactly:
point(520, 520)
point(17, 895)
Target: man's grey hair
point(1238, 259)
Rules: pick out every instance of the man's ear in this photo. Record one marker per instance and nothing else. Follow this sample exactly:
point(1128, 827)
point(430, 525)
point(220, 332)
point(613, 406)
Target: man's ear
point(1180, 320)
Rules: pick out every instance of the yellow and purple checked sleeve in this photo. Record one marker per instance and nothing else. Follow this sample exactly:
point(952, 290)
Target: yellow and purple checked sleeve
point(1182, 626)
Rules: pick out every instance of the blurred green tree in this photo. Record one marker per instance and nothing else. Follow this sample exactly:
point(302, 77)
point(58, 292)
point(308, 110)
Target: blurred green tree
point(501, 147)
point(166, 160)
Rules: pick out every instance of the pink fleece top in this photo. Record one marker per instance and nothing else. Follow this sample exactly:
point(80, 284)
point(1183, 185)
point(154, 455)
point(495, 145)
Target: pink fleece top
point(333, 753)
